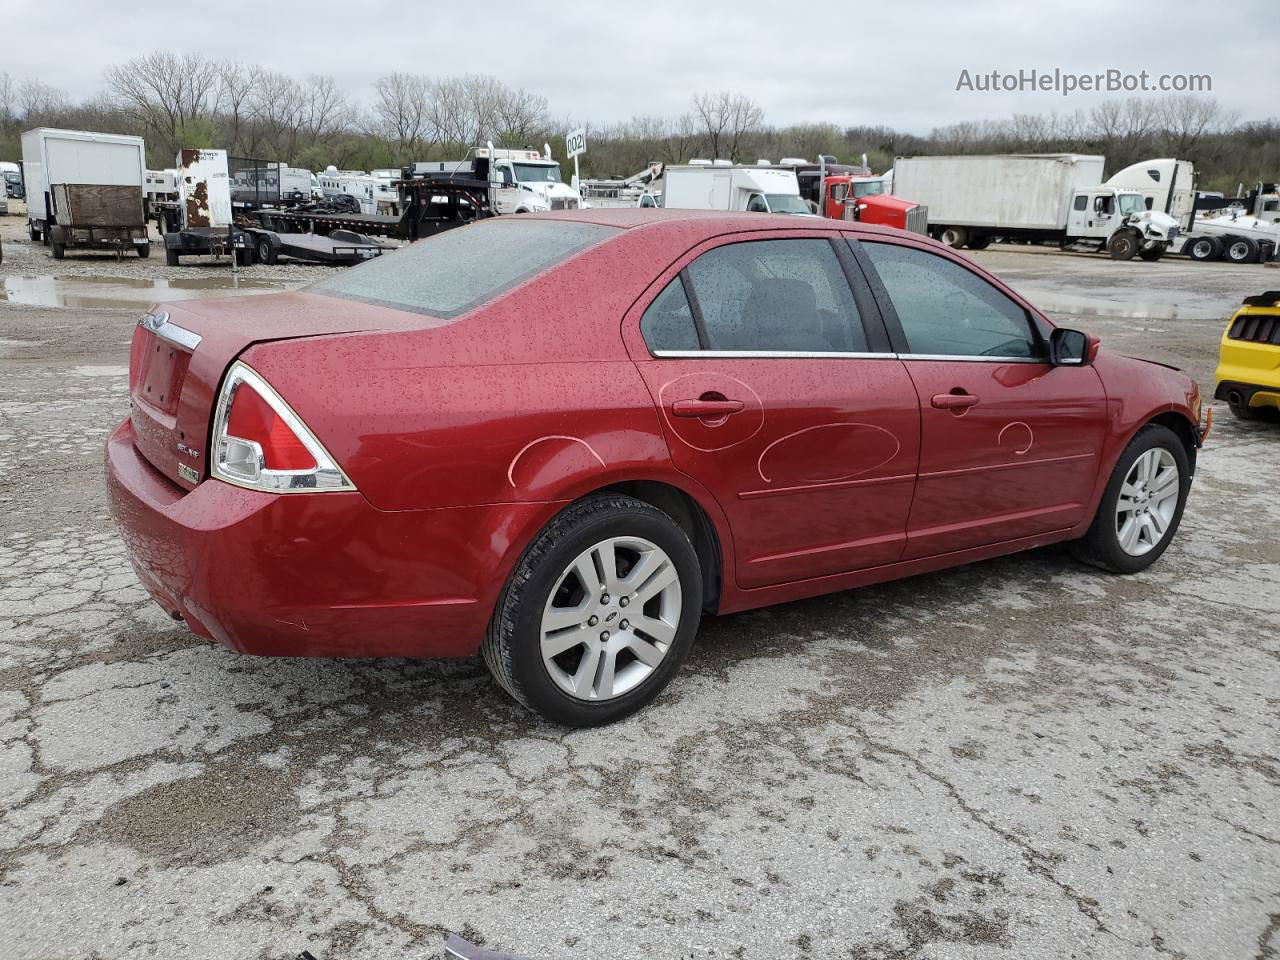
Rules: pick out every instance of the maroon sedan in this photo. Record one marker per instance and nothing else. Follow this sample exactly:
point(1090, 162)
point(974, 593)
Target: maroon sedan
point(562, 439)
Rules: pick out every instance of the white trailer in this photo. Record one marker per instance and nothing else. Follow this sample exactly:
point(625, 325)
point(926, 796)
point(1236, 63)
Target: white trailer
point(725, 186)
point(84, 188)
point(1055, 197)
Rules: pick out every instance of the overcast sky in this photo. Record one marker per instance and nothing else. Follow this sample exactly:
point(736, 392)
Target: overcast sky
point(894, 63)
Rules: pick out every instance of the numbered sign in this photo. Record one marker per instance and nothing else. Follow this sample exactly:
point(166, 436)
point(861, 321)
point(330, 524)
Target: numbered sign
point(575, 142)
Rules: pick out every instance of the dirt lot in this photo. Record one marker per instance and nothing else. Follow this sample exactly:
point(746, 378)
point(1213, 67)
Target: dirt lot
point(1021, 758)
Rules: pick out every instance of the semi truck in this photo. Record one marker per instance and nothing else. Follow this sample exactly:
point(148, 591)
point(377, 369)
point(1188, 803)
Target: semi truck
point(520, 181)
point(842, 191)
point(85, 189)
point(1238, 229)
point(1058, 197)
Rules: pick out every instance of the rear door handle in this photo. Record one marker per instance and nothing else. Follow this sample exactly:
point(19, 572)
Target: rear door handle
point(705, 408)
point(953, 401)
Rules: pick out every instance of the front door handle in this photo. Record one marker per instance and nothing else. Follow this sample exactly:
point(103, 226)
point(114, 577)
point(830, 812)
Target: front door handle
point(954, 401)
point(705, 408)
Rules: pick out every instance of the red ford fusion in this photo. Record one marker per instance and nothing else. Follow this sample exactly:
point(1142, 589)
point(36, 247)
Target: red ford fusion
point(560, 440)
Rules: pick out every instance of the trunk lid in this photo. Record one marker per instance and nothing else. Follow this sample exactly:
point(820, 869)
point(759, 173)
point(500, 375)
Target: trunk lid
point(181, 350)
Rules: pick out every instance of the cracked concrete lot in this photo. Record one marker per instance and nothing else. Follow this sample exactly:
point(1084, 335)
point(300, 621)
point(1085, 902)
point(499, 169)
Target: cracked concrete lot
point(1021, 758)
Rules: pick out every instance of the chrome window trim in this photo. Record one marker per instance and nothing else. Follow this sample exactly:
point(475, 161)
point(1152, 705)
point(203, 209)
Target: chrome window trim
point(981, 358)
point(833, 354)
point(158, 323)
point(777, 354)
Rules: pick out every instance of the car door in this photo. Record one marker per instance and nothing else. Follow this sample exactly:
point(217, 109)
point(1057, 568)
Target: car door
point(778, 394)
point(1009, 444)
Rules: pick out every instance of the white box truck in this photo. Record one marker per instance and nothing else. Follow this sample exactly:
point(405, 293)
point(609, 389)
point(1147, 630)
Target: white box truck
point(85, 189)
point(1057, 197)
point(724, 186)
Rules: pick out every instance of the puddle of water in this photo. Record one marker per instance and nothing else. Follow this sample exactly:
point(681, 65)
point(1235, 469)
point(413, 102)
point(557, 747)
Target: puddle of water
point(100, 371)
point(128, 291)
point(1057, 302)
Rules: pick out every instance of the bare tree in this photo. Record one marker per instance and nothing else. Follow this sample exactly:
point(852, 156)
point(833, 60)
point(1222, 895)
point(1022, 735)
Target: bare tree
point(403, 111)
point(727, 118)
point(520, 116)
point(167, 95)
point(38, 102)
point(1188, 119)
point(237, 84)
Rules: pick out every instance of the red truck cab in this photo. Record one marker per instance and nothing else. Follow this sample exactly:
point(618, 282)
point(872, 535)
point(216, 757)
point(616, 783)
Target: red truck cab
point(863, 198)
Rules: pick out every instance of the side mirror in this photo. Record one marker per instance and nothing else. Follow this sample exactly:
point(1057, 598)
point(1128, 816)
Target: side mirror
point(1071, 348)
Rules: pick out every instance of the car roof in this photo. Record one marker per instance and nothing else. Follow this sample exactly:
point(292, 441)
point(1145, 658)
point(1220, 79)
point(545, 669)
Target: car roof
point(711, 222)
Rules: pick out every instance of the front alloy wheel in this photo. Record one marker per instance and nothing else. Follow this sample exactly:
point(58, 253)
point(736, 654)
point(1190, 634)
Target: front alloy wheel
point(1142, 504)
point(1148, 502)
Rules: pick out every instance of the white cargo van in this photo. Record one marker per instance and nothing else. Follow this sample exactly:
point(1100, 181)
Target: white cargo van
point(721, 186)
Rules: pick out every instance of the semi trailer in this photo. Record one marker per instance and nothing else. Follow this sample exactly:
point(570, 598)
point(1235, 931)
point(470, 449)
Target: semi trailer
point(85, 189)
point(1036, 198)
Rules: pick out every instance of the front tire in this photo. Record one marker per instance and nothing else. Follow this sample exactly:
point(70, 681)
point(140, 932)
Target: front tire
point(598, 614)
point(1142, 505)
point(1122, 246)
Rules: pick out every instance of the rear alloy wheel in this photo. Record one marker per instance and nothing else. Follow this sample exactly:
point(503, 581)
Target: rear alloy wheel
point(1142, 504)
point(598, 614)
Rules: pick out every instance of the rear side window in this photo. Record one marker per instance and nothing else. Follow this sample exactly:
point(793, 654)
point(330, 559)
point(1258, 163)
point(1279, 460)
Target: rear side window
point(452, 272)
point(946, 310)
point(776, 296)
point(668, 323)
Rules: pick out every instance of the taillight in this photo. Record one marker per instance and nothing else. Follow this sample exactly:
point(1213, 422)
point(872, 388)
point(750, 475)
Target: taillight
point(259, 442)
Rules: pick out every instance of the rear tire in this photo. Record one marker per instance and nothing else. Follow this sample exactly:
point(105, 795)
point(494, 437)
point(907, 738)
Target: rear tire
point(144, 250)
point(979, 242)
point(1103, 545)
point(547, 604)
point(266, 252)
point(1240, 250)
point(1152, 255)
point(59, 250)
point(1204, 248)
point(34, 233)
point(954, 237)
point(1122, 246)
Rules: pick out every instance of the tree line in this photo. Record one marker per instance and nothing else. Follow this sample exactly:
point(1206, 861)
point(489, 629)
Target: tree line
point(189, 100)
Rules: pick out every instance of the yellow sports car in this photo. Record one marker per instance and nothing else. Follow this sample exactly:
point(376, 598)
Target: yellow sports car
point(1248, 374)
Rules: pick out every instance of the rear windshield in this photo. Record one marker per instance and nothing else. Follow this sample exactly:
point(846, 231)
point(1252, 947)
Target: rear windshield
point(452, 272)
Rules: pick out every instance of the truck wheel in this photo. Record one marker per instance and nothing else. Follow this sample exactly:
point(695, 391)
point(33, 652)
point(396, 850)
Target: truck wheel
point(144, 250)
point(1204, 248)
point(598, 614)
point(58, 250)
point(170, 256)
point(954, 237)
point(266, 252)
point(33, 231)
point(1241, 250)
point(1153, 254)
point(979, 242)
point(1122, 246)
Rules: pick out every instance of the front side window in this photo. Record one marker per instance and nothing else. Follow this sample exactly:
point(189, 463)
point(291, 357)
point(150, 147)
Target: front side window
point(776, 296)
point(946, 310)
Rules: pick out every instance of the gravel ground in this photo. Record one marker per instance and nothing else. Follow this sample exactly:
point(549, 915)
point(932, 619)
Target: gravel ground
point(1020, 758)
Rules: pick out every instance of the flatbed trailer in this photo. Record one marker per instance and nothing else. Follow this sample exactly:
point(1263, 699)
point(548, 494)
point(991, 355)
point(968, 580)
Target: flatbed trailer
point(323, 223)
point(252, 244)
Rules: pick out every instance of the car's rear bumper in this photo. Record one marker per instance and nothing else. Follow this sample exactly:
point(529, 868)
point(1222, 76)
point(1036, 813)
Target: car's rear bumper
point(322, 574)
point(1249, 370)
